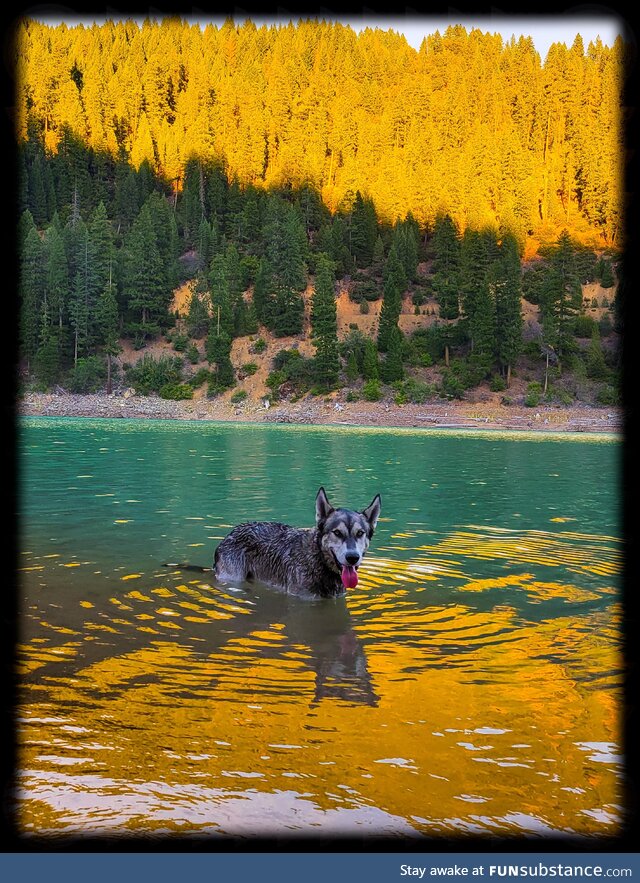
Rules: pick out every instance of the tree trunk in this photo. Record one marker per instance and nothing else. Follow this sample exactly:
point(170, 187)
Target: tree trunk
point(446, 354)
point(546, 375)
point(109, 388)
point(508, 375)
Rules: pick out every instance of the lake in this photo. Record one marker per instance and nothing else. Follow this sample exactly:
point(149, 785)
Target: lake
point(470, 685)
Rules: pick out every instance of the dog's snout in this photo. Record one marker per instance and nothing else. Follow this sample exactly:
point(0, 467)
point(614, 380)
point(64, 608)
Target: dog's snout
point(352, 558)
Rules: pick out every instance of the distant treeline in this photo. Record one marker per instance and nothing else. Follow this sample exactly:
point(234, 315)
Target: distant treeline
point(467, 126)
point(103, 246)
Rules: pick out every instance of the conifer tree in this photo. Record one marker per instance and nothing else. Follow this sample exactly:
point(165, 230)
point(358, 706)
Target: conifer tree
point(562, 298)
point(32, 284)
point(446, 266)
point(370, 367)
point(508, 310)
point(108, 325)
point(364, 230)
point(324, 324)
point(395, 282)
point(392, 368)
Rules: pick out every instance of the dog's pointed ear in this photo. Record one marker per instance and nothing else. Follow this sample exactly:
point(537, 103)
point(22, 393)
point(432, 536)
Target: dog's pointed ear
point(323, 507)
point(372, 513)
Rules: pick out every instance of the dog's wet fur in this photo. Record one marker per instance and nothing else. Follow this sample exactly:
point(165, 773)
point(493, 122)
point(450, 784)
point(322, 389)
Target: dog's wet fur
point(320, 561)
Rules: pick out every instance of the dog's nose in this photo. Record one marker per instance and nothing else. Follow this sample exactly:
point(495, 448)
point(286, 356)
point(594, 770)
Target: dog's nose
point(352, 558)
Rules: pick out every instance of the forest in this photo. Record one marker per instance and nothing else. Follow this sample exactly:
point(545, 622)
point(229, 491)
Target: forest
point(466, 178)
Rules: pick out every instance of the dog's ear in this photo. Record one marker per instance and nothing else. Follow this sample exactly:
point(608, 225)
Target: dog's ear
point(323, 507)
point(372, 513)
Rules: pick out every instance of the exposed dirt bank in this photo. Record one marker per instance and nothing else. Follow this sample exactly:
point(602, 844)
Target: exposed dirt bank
point(318, 411)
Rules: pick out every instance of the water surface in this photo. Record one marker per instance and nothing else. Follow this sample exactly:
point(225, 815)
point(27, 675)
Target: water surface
point(469, 685)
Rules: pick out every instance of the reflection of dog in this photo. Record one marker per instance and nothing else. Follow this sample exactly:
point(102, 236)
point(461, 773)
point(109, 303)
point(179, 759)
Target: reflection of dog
point(321, 561)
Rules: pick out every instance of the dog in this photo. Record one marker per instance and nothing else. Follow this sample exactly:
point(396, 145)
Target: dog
point(321, 561)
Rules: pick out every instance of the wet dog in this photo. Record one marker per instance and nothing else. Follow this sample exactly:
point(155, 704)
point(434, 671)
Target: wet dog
point(320, 561)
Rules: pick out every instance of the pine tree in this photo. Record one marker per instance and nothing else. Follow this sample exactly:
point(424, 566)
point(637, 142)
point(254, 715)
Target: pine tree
point(508, 309)
point(199, 309)
point(364, 230)
point(370, 368)
point(595, 362)
point(392, 368)
point(446, 266)
point(395, 282)
point(221, 303)
point(32, 284)
point(145, 278)
point(562, 298)
point(218, 351)
point(476, 297)
point(324, 324)
point(108, 325)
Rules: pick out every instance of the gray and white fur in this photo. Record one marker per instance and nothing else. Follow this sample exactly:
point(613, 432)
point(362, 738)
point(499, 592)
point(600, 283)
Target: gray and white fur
point(319, 561)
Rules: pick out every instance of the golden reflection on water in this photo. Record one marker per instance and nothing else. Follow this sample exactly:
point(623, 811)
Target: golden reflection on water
point(431, 702)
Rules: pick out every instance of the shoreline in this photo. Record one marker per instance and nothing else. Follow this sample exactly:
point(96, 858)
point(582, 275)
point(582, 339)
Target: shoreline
point(315, 411)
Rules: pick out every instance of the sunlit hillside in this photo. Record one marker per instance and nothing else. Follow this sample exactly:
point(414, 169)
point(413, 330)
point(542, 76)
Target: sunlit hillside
point(467, 125)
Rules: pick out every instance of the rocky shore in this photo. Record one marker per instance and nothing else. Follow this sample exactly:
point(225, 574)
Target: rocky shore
point(318, 411)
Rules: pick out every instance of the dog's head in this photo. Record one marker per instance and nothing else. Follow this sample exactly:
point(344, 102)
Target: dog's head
point(345, 535)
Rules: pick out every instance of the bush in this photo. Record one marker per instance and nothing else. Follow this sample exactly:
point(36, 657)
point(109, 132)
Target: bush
point(371, 391)
point(239, 396)
point(451, 386)
point(364, 307)
point(583, 326)
point(89, 375)
point(201, 376)
point(259, 346)
point(352, 396)
point(249, 368)
point(180, 343)
point(415, 391)
point(498, 383)
point(608, 395)
point(150, 375)
point(192, 354)
point(176, 391)
point(534, 394)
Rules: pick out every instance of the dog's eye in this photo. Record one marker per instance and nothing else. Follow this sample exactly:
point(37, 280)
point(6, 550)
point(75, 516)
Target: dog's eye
point(339, 533)
point(358, 534)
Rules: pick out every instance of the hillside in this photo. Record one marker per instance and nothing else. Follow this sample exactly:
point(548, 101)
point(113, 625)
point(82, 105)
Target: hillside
point(350, 318)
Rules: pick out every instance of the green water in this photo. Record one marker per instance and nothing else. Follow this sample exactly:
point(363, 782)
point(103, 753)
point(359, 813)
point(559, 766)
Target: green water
point(469, 685)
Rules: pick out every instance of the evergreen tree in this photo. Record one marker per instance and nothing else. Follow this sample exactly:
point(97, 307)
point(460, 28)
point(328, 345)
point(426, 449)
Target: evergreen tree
point(198, 311)
point(324, 325)
point(221, 303)
point(508, 310)
point(32, 284)
point(108, 325)
point(145, 279)
point(392, 368)
point(395, 282)
point(595, 362)
point(476, 297)
point(218, 351)
point(370, 368)
point(562, 298)
point(446, 266)
point(364, 230)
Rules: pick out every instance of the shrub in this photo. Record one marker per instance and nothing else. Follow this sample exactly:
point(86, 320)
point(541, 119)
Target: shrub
point(180, 343)
point(364, 308)
point(371, 391)
point(192, 354)
point(534, 394)
point(352, 396)
point(259, 346)
point(498, 383)
point(415, 391)
point(249, 368)
point(201, 376)
point(608, 395)
point(176, 391)
point(89, 375)
point(238, 396)
point(149, 374)
point(583, 326)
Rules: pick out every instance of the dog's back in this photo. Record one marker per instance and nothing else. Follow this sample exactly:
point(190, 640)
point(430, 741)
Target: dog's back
point(268, 551)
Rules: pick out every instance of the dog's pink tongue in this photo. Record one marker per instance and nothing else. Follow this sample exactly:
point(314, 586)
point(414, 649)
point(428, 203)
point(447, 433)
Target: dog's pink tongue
point(349, 577)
